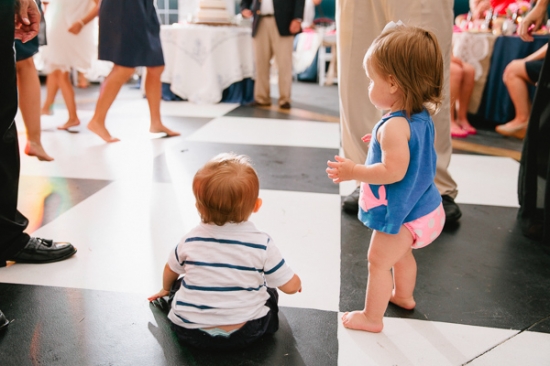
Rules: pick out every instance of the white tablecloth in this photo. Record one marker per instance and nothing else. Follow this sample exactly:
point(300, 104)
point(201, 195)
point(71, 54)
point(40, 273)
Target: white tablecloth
point(201, 61)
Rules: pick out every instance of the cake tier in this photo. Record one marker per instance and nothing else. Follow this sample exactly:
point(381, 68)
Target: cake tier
point(204, 15)
point(212, 4)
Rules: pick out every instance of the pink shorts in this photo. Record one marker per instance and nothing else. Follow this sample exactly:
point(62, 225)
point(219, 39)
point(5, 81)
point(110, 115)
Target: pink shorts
point(426, 228)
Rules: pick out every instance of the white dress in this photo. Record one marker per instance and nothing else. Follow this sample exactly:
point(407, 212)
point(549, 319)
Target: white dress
point(65, 50)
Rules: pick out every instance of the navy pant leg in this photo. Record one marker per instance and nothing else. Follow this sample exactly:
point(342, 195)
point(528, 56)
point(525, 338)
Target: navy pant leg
point(12, 223)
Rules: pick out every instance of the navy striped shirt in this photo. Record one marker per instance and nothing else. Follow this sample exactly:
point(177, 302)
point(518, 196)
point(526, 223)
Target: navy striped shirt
point(226, 270)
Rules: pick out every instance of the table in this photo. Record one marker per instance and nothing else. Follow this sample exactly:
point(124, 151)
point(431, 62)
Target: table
point(490, 54)
point(202, 61)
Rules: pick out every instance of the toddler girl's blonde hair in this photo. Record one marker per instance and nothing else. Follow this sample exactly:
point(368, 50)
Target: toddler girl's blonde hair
point(226, 189)
point(413, 57)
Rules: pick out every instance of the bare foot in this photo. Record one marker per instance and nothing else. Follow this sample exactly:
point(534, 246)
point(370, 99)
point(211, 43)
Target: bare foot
point(46, 111)
point(358, 320)
point(403, 302)
point(36, 149)
point(101, 131)
point(160, 128)
point(70, 123)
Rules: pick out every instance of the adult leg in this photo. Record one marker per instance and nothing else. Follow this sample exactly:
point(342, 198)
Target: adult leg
point(436, 16)
point(384, 252)
point(466, 89)
point(283, 55)
point(52, 86)
point(109, 90)
point(515, 78)
point(29, 104)
point(153, 91)
point(263, 52)
point(12, 223)
point(67, 91)
point(456, 82)
point(359, 22)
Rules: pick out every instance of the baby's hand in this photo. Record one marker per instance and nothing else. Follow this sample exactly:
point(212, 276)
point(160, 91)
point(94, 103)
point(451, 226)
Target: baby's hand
point(159, 294)
point(367, 137)
point(340, 170)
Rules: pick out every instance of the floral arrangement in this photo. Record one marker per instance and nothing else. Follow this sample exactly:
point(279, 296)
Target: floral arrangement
point(521, 7)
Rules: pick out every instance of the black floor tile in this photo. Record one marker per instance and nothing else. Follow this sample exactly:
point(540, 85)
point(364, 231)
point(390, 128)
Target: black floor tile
point(62, 326)
point(286, 168)
point(484, 273)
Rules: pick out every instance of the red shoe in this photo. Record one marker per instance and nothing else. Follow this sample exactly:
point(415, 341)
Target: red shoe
point(458, 132)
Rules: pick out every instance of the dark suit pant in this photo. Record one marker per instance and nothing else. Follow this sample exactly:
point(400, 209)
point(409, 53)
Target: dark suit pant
point(12, 223)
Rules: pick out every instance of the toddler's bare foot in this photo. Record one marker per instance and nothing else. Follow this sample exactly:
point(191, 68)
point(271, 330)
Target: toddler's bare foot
point(101, 131)
point(36, 149)
point(403, 302)
point(46, 111)
point(358, 320)
point(70, 123)
point(160, 128)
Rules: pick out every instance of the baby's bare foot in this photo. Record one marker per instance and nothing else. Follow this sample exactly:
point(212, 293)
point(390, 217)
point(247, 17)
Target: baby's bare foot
point(358, 320)
point(101, 131)
point(70, 123)
point(403, 302)
point(160, 128)
point(36, 149)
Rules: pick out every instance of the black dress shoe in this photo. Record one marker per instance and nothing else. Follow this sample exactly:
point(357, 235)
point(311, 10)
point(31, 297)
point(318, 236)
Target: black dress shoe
point(350, 204)
point(285, 105)
point(40, 250)
point(3, 320)
point(452, 211)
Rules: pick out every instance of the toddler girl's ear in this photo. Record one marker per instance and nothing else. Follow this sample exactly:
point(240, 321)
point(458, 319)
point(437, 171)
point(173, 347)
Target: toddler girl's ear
point(257, 205)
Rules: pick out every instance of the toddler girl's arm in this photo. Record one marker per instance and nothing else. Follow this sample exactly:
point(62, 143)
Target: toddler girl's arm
point(292, 286)
point(394, 138)
point(168, 278)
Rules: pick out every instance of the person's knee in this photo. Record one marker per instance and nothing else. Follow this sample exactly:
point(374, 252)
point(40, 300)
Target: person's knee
point(26, 64)
point(155, 70)
point(512, 70)
point(469, 71)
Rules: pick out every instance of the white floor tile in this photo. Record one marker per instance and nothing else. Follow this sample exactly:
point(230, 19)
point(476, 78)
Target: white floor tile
point(263, 131)
point(527, 348)
point(306, 228)
point(485, 180)
point(407, 342)
point(187, 109)
point(123, 234)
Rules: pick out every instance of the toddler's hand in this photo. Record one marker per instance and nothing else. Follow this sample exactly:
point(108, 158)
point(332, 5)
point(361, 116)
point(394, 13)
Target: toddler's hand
point(340, 170)
point(159, 294)
point(367, 137)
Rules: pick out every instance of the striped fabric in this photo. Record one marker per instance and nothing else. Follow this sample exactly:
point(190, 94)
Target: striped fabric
point(227, 269)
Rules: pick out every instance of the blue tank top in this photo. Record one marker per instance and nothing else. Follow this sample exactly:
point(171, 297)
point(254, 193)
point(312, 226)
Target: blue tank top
point(387, 207)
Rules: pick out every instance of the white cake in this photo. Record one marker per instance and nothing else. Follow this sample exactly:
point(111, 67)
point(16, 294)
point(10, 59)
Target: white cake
point(212, 11)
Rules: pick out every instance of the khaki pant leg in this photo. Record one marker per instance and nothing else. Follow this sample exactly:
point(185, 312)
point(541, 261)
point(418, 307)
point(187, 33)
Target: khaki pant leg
point(262, 56)
point(283, 47)
point(436, 16)
point(358, 23)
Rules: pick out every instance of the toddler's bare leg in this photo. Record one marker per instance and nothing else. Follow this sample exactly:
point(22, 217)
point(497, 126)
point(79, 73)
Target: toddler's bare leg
point(404, 278)
point(384, 252)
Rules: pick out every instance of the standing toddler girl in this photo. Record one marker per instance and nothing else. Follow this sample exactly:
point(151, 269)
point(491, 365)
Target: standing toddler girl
point(399, 200)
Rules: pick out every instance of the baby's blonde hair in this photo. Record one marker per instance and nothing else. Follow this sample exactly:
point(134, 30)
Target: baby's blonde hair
point(413, 57)
point(226, 189)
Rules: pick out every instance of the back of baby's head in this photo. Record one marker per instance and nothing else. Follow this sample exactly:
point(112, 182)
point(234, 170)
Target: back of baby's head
point(226, 189)
point(413, 57)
